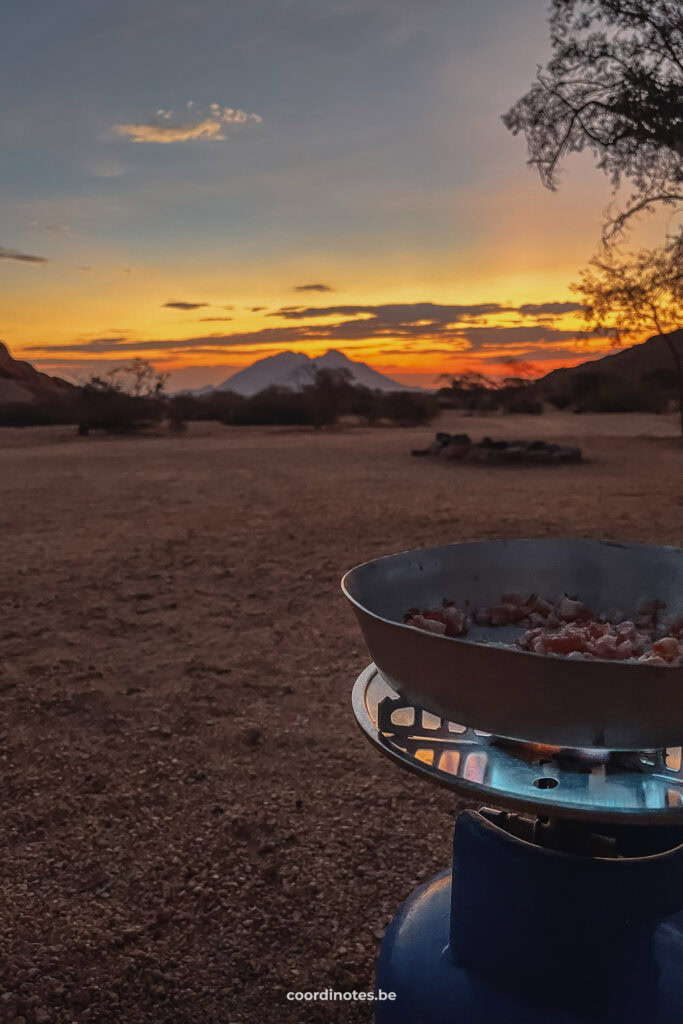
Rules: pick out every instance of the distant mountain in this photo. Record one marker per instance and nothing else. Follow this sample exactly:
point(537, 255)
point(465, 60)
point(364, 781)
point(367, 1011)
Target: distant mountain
point(295, 369)
point(20, 382)
point(633, 362)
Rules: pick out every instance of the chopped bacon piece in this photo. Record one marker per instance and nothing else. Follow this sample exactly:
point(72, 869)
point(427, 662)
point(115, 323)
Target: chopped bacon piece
point(538, 605)
point(438, 614)
point(431, 625)
point(569, 609)
point(666, 648)
point(597, 629)
point(651, 659)
point(456, 622)
point(499, 615)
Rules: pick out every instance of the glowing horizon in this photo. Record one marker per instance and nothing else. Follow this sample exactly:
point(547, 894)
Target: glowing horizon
point(302, 165)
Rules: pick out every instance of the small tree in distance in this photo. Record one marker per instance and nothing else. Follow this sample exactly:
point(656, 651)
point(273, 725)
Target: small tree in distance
point(138, 378)
point(126, 398)
point(642, 291)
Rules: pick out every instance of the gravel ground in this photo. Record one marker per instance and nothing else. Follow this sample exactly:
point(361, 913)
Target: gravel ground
point(191, 825)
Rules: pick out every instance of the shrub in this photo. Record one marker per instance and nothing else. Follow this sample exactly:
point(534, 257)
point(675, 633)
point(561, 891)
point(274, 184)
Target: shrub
point(409, 408)
point(272, 407)
point(619, 395)
point(106, 408)
point(560, 399)
point(38, 414)
point(525, 404)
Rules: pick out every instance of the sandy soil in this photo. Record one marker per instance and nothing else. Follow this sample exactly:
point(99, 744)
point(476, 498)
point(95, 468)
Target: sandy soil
point(191, 825)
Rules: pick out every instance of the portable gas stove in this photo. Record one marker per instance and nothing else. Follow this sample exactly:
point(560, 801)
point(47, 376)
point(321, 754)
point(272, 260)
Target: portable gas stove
point(564, 905)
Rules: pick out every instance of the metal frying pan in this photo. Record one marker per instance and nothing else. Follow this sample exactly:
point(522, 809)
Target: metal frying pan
point(515, 693)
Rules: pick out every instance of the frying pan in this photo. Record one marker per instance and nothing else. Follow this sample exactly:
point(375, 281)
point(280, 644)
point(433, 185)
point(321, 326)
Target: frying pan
point(515, 693)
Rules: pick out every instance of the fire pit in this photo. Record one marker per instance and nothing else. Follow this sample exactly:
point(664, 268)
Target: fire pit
point(561, 902)
point(461, 447)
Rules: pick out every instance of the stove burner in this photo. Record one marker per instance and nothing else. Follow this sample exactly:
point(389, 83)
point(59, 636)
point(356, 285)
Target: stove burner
point(599, 784)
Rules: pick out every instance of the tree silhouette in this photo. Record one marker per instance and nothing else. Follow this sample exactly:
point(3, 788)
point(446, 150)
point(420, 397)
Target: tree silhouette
point(642, 291)
point(613, 85)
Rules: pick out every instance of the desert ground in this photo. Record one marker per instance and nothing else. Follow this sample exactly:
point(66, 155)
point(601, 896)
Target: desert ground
point(191, 823)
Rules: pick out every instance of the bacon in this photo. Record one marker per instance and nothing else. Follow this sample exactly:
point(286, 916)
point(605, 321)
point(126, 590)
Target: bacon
point(456, 622)
point(565, 628)
point(570, 610)
point(430, 625)
point(539, 606)
point(666, 648)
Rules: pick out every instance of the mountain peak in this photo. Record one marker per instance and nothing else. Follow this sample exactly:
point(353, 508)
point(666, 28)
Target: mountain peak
point(284, 370)
point(333, 357)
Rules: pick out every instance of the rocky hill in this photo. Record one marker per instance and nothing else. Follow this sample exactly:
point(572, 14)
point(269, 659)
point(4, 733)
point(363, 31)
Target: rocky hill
point(20, 382)
point(633, 363)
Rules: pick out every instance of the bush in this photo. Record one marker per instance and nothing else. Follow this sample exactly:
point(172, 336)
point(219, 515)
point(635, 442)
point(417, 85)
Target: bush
point(270, 408)
point(365, 403)
point(39, 414)
point(619, 395)
point(408, 408)
point(560, 400)
point(215, 405)
point(524, 404)
point(106, 408)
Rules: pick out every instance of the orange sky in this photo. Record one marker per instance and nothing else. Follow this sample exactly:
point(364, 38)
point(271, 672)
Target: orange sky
point(334, 178)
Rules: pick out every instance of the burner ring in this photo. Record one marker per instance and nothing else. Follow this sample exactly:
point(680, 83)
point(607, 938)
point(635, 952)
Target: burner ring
point(643, 788)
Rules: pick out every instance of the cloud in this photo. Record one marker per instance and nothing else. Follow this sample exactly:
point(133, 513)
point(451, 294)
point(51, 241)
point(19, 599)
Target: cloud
point(466, 340)
point(183, 305)
point(210, 127)
point(313, 288)
point(557, 308)
point(429, 313)
point(404, 327)
point(20, 257)
point(492, 337)
point(209, 319)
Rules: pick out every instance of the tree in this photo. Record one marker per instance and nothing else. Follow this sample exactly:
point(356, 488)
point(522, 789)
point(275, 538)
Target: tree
point(139, 378)
point(470, 390)
point(126, 398)
point(328, 395)
point(613, 85)
point(643, 291)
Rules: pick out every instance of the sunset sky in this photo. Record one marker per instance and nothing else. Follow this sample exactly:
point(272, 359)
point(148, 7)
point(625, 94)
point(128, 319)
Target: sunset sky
point(204, 183)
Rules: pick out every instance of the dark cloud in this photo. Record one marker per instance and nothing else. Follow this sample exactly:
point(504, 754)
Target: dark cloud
point(556, 308)
point(397, 313)
point(210, 319)
point(20, 257)
point(449, 328)
point(467, 339)
point(491, 337)
point(257, 309)
point(313, 288)
point(184, 305)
